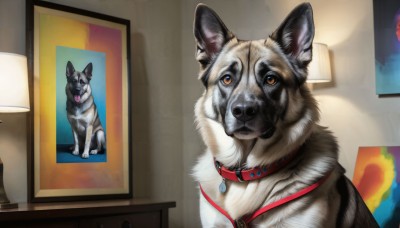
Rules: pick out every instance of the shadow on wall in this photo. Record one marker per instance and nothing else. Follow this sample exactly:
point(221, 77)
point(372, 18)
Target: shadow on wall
point(141, 142)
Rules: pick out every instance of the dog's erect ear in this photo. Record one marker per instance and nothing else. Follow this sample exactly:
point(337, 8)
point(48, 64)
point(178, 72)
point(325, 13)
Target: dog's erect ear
point(88, 71)
point(211, 34)
point(70, 69)
point(296, 34)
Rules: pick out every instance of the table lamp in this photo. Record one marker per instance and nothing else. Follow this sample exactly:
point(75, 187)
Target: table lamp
point(319, 69)
point(14, 97)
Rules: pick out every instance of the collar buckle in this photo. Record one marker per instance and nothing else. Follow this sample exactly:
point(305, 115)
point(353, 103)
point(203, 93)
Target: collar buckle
point(239, 176)
point(218, 166)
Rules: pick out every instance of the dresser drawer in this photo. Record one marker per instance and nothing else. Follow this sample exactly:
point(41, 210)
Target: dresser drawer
point(140, 213)
point(150, 220)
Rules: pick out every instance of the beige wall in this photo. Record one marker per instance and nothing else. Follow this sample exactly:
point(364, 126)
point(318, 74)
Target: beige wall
point(164, 87)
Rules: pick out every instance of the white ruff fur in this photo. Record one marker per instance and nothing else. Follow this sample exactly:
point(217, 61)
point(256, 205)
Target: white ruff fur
point(245, 198)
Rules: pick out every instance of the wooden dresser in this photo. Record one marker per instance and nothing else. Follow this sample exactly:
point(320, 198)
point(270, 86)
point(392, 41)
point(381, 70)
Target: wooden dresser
point(88, 214)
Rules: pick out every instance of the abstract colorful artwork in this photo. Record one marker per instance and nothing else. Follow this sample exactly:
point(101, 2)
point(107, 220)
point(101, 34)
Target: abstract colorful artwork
point(387, 46)
point(377, 178)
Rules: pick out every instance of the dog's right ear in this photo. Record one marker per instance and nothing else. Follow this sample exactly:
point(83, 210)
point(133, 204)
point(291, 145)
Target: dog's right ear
point(70, 69)
point(211, 34)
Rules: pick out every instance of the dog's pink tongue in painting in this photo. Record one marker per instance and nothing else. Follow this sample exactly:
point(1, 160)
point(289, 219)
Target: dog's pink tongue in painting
point(77, 98)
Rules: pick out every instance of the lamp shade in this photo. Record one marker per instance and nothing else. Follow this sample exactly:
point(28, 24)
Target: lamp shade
point(14, 92)
point(319, 70)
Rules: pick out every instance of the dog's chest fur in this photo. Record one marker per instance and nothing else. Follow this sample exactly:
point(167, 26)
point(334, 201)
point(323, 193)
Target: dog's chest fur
point(245, 198)
point(81, 115)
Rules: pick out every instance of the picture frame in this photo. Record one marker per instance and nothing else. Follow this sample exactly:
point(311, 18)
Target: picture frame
point(79, 76)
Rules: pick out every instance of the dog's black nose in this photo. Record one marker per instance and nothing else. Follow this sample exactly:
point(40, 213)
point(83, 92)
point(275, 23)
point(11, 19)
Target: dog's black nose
point(244, 111)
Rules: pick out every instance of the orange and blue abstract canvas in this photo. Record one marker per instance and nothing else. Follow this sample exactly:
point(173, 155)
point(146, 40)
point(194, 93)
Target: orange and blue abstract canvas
point(377, 178)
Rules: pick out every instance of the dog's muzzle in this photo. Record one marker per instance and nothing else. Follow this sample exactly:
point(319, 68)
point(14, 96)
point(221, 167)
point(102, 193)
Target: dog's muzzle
point(244, 111)
point(245, 119)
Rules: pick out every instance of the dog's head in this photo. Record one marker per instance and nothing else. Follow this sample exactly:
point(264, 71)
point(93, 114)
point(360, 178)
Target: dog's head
point(255, 88)
point(78, 82)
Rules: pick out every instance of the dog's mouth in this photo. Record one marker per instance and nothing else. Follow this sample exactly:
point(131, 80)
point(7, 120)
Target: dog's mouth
point(268, 133)
point(77, 98)
point(245, 133)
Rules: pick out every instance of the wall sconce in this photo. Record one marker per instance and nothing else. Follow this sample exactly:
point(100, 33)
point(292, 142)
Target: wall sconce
point(319, 70)
point(14, 97)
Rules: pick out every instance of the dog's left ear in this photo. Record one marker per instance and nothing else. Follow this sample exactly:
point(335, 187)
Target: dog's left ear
point(88, 70)
point(295, 36)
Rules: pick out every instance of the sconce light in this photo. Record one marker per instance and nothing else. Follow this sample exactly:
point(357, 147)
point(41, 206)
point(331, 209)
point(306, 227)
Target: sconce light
point(319, 70)
point(14, 97)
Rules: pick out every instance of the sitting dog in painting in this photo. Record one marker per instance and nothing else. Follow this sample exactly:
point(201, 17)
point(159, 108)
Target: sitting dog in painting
point(82, 112)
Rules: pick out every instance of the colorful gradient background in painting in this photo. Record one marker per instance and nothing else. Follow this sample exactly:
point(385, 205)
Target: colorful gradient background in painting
point(377, 178)
point(58, 31)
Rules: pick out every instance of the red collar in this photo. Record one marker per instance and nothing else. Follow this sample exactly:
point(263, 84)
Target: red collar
point(247, 219)
point(240, 175)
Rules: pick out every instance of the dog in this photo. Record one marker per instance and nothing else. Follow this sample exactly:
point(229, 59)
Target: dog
point(82, 112)
point(267, 163)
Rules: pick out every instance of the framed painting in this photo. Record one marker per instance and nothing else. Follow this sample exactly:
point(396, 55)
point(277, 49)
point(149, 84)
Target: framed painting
point(387, 46)
point(377, 178)
point(79, 127)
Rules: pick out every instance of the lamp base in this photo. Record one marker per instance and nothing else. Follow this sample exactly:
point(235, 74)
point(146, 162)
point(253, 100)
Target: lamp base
point(4, 202)
point(8, 205)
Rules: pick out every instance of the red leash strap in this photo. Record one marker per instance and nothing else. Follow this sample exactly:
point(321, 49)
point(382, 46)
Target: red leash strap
point(222, 211)
point(250, 218)
point(287, 199)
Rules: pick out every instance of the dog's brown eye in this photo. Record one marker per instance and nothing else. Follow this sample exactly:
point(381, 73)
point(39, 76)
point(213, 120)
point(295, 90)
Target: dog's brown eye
point(271, 80)
point(227, 79)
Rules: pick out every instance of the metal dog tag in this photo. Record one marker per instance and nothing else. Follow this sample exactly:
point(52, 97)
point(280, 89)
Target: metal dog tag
point(222, 186)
